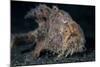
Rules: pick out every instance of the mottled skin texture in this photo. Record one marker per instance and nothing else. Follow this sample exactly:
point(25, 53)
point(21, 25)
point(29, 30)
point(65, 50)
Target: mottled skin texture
point(57, 32)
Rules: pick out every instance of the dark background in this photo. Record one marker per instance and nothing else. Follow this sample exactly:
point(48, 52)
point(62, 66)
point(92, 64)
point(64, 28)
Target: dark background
point(83, 15)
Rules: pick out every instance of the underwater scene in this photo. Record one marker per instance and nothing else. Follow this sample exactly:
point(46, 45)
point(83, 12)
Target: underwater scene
point(51, 33)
